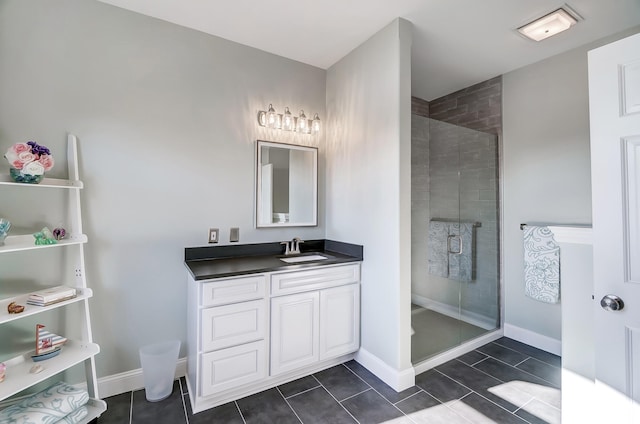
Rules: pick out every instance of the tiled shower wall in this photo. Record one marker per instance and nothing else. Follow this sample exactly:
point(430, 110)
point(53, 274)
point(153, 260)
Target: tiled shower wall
point(439, 150)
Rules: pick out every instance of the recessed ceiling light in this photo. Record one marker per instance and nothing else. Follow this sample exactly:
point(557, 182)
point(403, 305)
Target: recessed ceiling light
point(548, 25)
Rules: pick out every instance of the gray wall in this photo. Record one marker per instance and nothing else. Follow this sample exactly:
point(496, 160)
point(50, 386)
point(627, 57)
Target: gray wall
point(547, 175)
point(368, 186)
point(166, 120)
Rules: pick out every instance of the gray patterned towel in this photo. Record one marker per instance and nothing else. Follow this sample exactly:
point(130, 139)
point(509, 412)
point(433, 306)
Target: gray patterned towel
point(541, 265)
point(58, 403)
point(437, 248)
point(461, 265)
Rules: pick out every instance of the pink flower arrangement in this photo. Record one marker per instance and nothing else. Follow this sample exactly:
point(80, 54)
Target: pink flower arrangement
point(30, 158)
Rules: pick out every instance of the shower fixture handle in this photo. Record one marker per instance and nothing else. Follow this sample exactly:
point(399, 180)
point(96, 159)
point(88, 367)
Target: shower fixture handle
point(452, 237)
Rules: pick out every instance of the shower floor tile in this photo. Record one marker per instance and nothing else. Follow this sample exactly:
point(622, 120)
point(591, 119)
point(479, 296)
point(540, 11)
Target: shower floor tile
point(435, 333)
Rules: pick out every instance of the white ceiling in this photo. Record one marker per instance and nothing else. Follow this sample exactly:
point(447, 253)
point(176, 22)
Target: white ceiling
point(456, 43)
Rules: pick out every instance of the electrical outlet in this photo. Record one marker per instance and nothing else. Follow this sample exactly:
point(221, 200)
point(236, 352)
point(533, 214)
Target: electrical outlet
point(213, 235)
point(234, 234)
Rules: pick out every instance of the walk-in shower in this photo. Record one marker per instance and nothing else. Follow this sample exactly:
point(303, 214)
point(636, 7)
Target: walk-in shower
point(455, 236)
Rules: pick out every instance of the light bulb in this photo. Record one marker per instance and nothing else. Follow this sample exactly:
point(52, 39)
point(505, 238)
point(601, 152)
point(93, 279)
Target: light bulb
point(287, 120)
point(302, 123)
point(315, 124)
point(272, 117)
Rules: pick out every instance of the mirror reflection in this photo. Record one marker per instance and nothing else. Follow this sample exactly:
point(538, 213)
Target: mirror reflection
point(287, 185)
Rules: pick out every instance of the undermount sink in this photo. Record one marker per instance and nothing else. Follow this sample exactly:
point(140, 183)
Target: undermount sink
point(307, 258)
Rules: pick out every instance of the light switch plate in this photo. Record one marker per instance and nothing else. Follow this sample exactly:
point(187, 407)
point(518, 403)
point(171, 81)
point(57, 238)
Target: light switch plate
point(213, 235)
point(234, 234)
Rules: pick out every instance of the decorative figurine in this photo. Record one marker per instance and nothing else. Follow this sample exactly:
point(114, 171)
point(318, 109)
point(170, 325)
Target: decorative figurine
point(14, 308)
point(48, 344)
point(59, 233)
point(3, 369)
point(44, 237)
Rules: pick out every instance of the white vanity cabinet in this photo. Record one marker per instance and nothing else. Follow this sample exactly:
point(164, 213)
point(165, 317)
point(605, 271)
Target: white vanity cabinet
point(252, 332)
point(320, 321)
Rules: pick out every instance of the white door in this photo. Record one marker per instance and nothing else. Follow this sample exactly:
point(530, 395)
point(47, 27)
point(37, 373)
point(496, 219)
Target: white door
point(614, 106)
point(339, 321)
point(294, 331)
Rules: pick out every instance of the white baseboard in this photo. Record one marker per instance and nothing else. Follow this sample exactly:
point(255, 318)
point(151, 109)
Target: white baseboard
point(399, 380)
point(472, 318)
point(531, 338)
point(131, 380)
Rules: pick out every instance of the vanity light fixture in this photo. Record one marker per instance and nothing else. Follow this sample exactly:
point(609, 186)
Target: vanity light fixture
point(315, 124)
point(287, 122)
point(548, 25)
point(302, 126)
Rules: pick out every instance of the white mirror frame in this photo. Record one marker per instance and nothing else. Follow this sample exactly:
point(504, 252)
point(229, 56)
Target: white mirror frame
point(264, 185)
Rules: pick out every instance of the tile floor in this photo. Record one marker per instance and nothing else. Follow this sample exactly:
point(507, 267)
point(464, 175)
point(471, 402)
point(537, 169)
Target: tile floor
point(501, 382)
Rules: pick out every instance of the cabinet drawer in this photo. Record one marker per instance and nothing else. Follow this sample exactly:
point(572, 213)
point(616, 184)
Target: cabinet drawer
point(222, 292)
point(230, 325)
point(314, 279)
point(228, 368)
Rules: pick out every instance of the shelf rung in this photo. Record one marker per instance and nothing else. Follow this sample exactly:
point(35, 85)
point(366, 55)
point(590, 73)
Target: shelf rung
point(27, 242)
point(46, 182)
point(82, 294)
point(19, 378)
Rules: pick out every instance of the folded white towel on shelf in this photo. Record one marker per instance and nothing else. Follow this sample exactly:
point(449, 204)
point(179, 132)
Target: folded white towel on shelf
point(541, 264)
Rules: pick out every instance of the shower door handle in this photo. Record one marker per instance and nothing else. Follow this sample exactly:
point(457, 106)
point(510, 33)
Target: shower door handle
point(451, 237)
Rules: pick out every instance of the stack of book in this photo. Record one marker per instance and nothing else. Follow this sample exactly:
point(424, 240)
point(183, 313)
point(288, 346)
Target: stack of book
point(52, 295)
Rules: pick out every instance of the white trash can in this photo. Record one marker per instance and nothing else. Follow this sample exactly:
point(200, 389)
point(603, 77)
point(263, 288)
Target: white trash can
point(159, 368)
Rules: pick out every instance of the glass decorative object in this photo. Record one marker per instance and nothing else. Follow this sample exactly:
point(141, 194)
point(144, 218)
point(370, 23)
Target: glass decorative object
point(19, 177)
point(5, 225)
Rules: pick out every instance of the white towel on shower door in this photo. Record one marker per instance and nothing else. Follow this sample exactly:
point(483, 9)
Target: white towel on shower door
point(541, 265)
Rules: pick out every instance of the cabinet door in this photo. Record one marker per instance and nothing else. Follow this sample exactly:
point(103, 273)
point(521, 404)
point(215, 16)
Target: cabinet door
point(228, 368)
point(339, 321)
point(294, 331)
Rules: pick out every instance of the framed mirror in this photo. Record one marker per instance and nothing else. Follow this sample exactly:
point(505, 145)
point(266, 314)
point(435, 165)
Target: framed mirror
point(287, 185)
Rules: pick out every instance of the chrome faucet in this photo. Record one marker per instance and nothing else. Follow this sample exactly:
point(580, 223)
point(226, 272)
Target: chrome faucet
point(292, 247)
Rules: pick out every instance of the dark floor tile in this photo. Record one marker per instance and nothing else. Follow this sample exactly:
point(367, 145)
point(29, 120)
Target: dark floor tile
point(298, 386)
point(542, 370)
point(475, 408)
point(484, 384)
point(507, 373)
point(341, 382)
point(371, 408)
point(502, 353)
point(118, 409)
point(168, 411)
point(317, 406)
point(472, 357)
point(266, 407)
point(227, 413)
point(440, 386)
point(380, 386)
point(539, 354)
point(417, 402)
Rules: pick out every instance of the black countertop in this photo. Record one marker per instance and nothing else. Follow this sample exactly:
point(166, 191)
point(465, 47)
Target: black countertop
point(227, 261)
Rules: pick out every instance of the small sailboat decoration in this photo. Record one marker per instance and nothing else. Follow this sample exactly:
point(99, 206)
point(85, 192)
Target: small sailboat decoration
point(48, 344)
